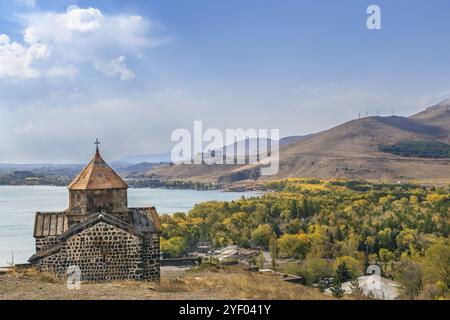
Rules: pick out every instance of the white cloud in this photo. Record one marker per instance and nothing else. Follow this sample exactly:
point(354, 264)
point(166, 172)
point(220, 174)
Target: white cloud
point(83, 20)
point(16, 60)
point(60, 71)
point(116, 67)
point(59, 44)
point(120, 122)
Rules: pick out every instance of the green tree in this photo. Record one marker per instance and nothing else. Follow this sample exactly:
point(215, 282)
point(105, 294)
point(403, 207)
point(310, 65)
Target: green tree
point(343, 220)
point(260, 260)
point(406, 239)
point(307, 209)
point(342, 272)
point(347, 267)
point(273, 247)
point(318, 269)
point(295, 211)
point(356, 289)
point(336, 289)
point(262, 235)
point(386, 258)
point(437, 263)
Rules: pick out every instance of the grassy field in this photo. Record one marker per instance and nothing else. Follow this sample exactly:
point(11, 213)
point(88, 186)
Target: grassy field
point(224, 283)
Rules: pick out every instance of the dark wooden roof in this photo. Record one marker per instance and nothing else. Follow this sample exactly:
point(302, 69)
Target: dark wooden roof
point(50, 224)
point(145, 219)
point(142, 221)
point(45, 253)
point(96, 218)
point(97, 175)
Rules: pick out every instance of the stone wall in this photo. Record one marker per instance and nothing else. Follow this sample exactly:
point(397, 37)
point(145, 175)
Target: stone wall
point(122, 216)
point(46, 243)
point(151, 257)
point(93, 201)
point(104, 252)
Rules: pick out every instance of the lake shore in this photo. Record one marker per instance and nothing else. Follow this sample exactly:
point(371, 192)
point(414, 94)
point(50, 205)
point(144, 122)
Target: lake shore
point(18, 205)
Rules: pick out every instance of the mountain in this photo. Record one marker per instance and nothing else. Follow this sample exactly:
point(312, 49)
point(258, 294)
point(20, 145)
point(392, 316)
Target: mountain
point(166, 157)
point(292, 139)
point(437, 115)
point(147, 158)
point(350, 150)
point(251, 145)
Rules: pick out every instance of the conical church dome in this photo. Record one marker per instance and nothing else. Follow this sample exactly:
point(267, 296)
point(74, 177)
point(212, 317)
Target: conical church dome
point(97, 175)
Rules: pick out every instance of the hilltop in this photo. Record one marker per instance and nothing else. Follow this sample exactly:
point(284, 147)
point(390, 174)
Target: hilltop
point(350, 150)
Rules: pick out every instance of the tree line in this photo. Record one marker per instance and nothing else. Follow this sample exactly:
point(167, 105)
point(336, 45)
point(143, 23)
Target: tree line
point(324, 224)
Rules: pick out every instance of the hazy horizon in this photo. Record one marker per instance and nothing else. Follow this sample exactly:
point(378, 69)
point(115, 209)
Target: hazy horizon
point(129, 73)
point(119, 160)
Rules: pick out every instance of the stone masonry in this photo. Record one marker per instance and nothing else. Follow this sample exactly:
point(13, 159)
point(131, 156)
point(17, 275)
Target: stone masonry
point(99, 234)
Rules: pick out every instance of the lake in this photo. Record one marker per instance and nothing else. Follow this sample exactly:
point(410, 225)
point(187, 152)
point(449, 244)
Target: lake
point(18, 204)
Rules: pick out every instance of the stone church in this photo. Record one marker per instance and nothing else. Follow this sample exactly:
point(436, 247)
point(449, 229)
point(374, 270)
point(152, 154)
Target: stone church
point(98, 233)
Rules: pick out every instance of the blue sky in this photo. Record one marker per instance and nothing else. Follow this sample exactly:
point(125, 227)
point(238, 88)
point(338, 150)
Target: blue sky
point(130, 72)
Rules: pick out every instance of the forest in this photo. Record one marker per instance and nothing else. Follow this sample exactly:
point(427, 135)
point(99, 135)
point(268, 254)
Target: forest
point(330, 228)
point(419, 149)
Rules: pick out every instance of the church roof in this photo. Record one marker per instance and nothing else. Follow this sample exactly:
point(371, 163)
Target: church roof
point(143, 221)
point(97, 175)
point(96, 218)
point(50, 224)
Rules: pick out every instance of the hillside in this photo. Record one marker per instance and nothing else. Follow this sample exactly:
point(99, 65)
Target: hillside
point(350, 150)
point(224, 284)
point(438, 115)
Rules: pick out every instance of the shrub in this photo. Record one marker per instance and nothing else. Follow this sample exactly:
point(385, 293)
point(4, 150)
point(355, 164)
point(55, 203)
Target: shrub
point(47, 277)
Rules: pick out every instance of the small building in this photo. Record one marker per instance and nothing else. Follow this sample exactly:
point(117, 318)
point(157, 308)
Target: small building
point(234, 253)
point(203, 247)
point(98, 233)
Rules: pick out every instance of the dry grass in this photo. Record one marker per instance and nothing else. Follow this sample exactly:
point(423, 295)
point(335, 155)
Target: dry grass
point(47, 277)
point(227, 283)
point(251, 285)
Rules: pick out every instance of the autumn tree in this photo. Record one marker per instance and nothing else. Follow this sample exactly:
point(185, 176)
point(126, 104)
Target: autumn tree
point(410, 276)
point(293, 245)
point(174, 247)
point(437, 263)
point(262, 235)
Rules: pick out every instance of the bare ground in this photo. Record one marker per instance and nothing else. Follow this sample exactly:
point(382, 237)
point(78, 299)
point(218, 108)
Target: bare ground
point(228, 283)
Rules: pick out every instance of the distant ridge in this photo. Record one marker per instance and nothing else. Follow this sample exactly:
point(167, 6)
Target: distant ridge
point(166, 157)
point(148, 158)
point(349, 150)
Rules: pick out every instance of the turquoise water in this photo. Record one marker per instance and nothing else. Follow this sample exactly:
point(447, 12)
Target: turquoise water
point(19, 204)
